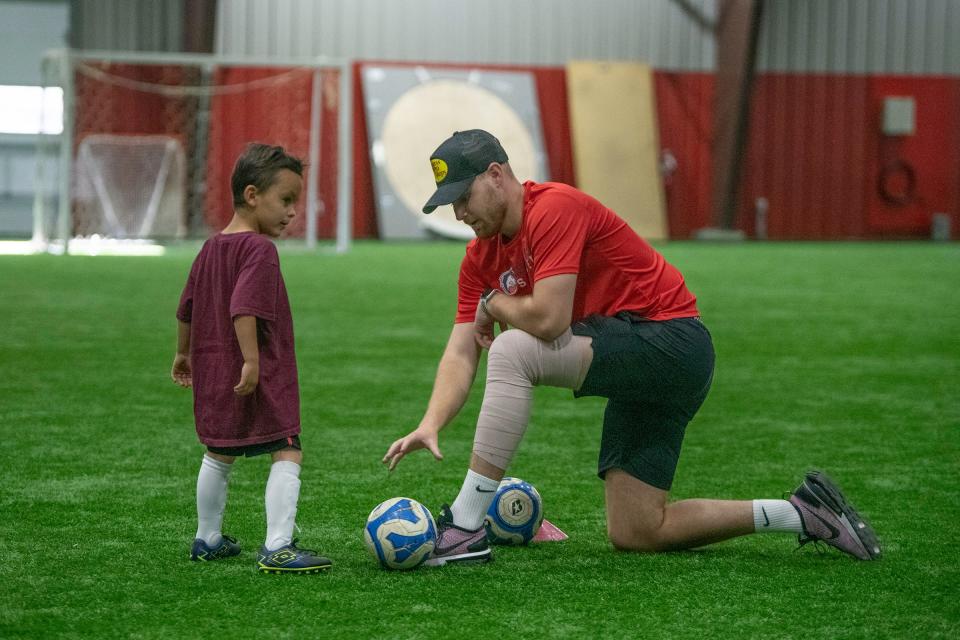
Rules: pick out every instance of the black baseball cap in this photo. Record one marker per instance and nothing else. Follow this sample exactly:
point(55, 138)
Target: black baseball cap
point(461, 158)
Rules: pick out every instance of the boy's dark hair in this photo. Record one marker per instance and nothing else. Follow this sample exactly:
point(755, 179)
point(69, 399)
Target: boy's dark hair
point(258, 165)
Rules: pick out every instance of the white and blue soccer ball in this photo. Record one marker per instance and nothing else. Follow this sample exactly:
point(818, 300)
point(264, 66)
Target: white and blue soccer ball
point(400, 533)
point(516, 513)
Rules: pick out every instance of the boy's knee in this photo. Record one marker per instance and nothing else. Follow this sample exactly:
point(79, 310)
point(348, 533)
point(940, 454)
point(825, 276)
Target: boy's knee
point(288, 454)
point(219, 457)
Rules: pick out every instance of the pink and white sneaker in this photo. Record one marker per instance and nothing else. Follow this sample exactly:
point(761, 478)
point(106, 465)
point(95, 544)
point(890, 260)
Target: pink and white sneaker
point(826, 515)
point(455, 544)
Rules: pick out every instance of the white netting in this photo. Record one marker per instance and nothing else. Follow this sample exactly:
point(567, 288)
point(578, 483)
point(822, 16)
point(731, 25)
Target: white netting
point(149, 144)
point(273, 81)
point(130, 186)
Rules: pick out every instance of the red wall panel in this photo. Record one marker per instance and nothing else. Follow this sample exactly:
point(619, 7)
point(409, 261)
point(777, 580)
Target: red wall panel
point(271, 114)
point(108, 100)
point(931, 155)
point(685, 121)
point(329, 154)
point(364, 203)
point(805, 156)
point(816, 152)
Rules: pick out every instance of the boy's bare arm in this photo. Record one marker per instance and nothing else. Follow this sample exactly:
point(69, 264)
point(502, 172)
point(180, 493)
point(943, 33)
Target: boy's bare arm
point(182, 372)
point(246, 328)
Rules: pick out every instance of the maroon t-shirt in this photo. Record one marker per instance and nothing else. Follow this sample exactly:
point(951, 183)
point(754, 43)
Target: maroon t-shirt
point(239, 275)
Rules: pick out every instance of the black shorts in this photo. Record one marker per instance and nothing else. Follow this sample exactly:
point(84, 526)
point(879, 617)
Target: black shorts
point(250, 450)
point(655, 376)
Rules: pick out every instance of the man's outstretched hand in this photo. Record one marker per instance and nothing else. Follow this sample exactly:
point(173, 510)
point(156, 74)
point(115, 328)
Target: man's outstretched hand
point(420, 438)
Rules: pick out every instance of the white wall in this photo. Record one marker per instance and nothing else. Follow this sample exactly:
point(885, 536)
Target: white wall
point(27, 30)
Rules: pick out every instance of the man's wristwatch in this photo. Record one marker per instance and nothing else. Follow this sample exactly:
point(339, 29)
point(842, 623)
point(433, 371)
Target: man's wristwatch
point(485, 297)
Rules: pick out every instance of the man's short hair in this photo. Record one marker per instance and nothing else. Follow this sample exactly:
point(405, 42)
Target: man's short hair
point(258, 165)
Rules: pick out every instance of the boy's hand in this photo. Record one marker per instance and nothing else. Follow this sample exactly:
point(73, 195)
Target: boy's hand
point(181, 372)
point(249, 377)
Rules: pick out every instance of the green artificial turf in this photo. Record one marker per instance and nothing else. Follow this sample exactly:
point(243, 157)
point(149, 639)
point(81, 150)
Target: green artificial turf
point(839, 356)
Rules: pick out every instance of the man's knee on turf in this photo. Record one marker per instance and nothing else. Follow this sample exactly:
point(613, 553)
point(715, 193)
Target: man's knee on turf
point(636, 512)
point(640, 538)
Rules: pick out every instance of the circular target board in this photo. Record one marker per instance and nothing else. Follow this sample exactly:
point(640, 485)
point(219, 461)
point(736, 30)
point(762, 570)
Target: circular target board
point(428, 114)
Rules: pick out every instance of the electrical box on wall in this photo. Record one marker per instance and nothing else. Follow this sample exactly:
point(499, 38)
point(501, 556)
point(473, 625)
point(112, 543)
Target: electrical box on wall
point(898, 116)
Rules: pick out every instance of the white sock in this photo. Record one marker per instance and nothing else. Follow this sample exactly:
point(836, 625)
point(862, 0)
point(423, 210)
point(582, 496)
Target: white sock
point(776, 515)
point(211, 499)
point(475, 498)
point(283, 492)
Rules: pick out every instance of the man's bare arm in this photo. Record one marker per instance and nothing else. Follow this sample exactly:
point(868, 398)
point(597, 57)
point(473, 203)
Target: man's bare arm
point(545, 313)
point(451, 387)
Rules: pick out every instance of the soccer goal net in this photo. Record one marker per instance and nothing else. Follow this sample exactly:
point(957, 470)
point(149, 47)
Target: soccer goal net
point(130, 186)
point(150, 140)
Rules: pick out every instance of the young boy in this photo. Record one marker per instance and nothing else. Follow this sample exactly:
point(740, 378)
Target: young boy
point(235, 348)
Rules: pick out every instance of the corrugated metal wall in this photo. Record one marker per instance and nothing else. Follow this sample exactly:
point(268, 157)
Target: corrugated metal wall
point(861, 36)
point(523, 32)
point(819, 36)
point(127, 25)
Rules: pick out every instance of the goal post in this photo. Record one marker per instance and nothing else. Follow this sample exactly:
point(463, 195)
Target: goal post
point(149, 143)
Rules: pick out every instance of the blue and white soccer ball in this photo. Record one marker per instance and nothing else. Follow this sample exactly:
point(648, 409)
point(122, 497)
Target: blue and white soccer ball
point(516, 513)
point(400, 533)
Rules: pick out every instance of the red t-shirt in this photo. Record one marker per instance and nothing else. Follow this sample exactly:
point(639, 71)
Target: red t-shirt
point(239, 275)
point(566, 231)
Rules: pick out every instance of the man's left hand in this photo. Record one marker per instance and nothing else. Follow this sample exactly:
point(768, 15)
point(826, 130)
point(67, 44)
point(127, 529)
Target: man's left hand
point(483, 327)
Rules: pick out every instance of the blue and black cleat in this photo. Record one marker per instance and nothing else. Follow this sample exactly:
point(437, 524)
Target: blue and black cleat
point(291, 559)
point(201, 552)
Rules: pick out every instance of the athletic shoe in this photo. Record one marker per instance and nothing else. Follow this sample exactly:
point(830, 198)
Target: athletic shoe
point(826, 515)
point(201, 552)
point(291, 559)
point(455, 544)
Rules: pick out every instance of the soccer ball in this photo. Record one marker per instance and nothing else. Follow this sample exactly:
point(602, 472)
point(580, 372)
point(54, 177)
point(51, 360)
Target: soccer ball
point(400, 533)
point(516, 513)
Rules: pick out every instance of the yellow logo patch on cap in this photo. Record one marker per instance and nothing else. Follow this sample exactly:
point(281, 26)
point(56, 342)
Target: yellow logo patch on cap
point(439, 169)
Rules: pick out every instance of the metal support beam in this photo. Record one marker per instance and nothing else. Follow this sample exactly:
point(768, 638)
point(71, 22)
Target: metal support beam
point(345, 159)
point(199, 25)
point(737, 32)
point(695, 13)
